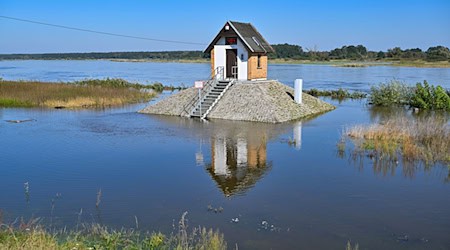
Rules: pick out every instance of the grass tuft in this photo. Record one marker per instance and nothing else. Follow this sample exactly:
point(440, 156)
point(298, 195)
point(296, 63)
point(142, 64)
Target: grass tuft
point(95, 236)
point(339, 94)
point(425, 139)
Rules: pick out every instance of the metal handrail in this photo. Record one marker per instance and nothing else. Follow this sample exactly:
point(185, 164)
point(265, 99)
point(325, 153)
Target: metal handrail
point(218, 98)
point(218, 75)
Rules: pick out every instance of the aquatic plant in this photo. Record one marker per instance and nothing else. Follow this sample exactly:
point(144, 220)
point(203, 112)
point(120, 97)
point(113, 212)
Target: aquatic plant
point(391, 93)
point(339, 94)
point(430, 97)
point(421, 96)
point(99, 198)
point(350, 247)
point(26, 187)
point(424, 139)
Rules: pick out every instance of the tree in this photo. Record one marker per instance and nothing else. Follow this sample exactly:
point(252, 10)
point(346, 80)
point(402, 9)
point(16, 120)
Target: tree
point(381, 55)
point(349, 52)
point(413, 54)
point(394, 53)
point(438, 53)
point(287, 51)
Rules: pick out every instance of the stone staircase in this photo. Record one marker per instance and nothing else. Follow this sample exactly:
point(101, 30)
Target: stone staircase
point(209, 99)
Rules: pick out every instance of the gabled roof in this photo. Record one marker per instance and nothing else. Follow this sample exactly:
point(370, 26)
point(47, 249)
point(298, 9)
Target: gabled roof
point(252, 39)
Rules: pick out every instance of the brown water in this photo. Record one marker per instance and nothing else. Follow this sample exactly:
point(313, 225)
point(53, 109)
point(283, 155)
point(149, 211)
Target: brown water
point(286, 184)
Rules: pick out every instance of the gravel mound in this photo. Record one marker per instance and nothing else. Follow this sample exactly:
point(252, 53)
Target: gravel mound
point(261, 101)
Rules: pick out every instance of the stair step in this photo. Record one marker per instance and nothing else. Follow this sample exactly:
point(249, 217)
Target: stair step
point(210, 98)
point(203, 109)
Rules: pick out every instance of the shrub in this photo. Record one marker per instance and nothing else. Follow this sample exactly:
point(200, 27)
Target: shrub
point(430, 97)
point(388, 94)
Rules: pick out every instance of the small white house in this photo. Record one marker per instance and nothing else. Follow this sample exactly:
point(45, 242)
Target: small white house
point(241, 51)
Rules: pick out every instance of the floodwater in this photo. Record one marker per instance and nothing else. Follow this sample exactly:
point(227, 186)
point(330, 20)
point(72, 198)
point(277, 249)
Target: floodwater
point(286, 184)
point(176, 74)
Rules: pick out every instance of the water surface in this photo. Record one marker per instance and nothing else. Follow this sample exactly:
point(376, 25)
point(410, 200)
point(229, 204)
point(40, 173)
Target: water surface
point(176, 74)
point(286, 184)
point(154, 168)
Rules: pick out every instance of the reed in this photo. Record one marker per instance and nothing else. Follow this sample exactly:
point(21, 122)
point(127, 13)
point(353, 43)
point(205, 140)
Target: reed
point(87, 94)
point(425, 139)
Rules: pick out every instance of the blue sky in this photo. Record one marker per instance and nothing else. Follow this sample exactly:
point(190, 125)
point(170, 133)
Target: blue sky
point(378, 25)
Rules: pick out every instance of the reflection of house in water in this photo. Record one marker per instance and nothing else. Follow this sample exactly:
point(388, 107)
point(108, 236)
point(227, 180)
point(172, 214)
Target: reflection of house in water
point(238, 150)
point(238, 163)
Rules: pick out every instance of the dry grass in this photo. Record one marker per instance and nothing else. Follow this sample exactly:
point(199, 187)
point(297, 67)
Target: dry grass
point(422, 139)
point(67, 95)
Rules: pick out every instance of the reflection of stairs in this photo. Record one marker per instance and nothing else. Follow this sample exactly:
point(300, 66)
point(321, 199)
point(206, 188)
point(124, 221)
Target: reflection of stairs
point(210, 98)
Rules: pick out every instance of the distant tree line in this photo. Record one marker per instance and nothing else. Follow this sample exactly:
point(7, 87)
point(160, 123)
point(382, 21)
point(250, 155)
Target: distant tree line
point(359, 52)
point(282, 51)
point(160, 55)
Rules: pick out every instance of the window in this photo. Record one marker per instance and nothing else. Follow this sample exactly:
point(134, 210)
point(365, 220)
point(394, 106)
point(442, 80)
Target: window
point(259, 62)
point(230, 40)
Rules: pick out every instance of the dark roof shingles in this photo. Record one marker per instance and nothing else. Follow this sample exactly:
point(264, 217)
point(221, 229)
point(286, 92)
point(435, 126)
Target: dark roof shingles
point(250, 34)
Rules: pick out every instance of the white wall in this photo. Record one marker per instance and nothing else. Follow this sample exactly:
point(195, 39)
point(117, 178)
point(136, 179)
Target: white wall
point(220, 56)
point(241, 152)
point(220, 157)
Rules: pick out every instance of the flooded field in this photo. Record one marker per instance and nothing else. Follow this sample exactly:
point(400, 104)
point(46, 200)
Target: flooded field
point(264, 186)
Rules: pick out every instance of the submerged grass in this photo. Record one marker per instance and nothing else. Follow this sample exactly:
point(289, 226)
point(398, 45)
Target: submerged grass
point(95, 236)
point(424, 139)
point(339, 94)
point(81, 94)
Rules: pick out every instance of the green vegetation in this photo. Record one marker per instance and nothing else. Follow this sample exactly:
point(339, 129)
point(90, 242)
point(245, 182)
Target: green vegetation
point(391, 93)
point(360, 53)
point(430, 97)
point(143, 55)
point(81, 94)
point(421, 139)
point(438, 56)
point(121, 83)
point(31, 236)
point(422, 96)
point(339, 94)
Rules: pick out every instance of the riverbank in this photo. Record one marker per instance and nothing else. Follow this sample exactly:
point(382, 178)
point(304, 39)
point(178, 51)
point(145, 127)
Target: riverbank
point(29, 235)
point(337, 63)
point(353, 64)
point(80, 94)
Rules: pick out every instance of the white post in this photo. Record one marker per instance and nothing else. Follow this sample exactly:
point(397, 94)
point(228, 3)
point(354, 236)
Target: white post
point(298, 135)
point(298, 86)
